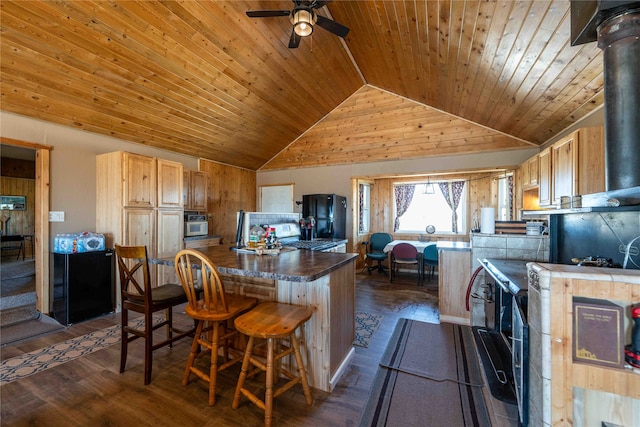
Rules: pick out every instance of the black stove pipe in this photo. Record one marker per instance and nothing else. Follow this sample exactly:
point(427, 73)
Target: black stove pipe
point(619, 39)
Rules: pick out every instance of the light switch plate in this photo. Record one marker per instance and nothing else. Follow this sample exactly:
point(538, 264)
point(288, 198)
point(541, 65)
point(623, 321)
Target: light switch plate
point(55, 216)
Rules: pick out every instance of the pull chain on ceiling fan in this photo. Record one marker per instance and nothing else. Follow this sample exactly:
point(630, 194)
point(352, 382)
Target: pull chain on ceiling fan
point(303, 18)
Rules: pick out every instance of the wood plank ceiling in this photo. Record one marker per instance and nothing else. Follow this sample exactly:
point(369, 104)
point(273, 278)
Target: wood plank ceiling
point(412, 79)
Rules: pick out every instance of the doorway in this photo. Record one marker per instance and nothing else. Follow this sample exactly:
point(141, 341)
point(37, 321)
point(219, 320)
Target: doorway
point(39, 244)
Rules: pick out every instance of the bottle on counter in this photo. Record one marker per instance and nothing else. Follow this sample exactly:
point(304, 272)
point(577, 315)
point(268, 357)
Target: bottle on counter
point(256, 234)
point(270, 238)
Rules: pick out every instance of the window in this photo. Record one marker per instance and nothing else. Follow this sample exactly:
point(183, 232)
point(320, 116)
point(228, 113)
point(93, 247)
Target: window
point(423, 208)
point(505, 198)
point(364, 193)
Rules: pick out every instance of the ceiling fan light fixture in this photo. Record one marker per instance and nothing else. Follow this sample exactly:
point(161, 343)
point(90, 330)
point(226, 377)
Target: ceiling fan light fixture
point(303, 20)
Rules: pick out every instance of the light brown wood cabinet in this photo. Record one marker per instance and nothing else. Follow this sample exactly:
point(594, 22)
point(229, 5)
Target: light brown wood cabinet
point(564, 167)
point(454, 273)
point(139, 202)
point(544, 177)
point(195, 191)
point(530, 172)
point(201, 243)
point(139, 179)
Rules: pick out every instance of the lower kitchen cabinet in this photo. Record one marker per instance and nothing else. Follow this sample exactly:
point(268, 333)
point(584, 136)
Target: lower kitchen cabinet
point(454, 273)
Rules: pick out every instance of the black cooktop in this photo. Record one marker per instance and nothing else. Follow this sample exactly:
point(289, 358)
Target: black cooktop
point(511, 274)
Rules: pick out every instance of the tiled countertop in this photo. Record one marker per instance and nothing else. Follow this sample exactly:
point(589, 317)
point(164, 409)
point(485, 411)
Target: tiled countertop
point(295, 266)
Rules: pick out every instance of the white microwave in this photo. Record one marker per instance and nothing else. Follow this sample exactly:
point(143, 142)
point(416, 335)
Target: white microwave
point(196, 228)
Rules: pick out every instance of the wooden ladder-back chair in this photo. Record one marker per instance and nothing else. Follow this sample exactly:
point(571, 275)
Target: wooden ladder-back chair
point(403, 254)
point(140, 296)
point(199, 276)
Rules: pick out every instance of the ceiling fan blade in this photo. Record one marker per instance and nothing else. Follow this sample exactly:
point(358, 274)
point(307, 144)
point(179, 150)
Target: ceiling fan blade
point(294, 40)
point(267, 13)
point(319, 4)
point(332, 26)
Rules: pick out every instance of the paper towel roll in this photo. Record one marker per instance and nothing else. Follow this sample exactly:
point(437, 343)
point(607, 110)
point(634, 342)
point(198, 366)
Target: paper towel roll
point(487, 221)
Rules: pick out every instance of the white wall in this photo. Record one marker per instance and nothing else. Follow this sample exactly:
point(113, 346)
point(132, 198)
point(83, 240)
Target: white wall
point(73, 165)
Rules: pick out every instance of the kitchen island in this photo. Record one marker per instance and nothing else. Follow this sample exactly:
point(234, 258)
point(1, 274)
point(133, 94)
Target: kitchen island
point(321, 280)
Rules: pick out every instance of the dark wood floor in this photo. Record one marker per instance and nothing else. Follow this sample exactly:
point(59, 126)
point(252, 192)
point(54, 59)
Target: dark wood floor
point(90, 391)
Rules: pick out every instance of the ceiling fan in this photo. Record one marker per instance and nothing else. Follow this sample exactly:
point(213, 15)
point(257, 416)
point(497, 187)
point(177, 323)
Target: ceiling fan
point(304, 18)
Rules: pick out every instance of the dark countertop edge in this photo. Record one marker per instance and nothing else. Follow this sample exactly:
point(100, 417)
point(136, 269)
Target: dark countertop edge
point(289, 278)
point(447, 245)
point(269, 275)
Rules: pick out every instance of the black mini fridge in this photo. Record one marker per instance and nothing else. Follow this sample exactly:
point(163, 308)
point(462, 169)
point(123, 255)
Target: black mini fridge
point(83, 285)
point(329, 212)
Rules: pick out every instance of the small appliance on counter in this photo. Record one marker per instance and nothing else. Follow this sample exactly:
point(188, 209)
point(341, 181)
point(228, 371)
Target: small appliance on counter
point(195, 225)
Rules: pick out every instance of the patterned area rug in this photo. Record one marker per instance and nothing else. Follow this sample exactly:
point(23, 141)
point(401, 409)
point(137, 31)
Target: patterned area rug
point(366, 326)
point(429, 375)
point(40, 360)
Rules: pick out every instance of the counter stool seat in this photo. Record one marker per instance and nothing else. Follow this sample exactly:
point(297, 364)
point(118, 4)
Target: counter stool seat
point(272, 321)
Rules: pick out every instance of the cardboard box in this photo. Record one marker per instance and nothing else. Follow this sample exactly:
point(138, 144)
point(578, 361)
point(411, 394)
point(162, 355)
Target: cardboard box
point(598, 332)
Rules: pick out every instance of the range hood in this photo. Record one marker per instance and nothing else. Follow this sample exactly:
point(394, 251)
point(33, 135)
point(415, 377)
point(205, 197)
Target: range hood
point(615, 25)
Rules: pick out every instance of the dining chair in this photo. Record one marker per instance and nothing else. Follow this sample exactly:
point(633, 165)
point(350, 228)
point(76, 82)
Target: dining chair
point(276, 323)
point(430, 260)
point(138, 295)
point(375, 251)
point(403, 254)
point(200, 277)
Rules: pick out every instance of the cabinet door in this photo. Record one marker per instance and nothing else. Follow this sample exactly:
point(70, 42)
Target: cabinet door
point(139, 181)
point(170, 181)
point(170, 241)
point(139, 228)
point(564, 163)
point(186, 190)
point(533, 170)
point(544, 177)
point(198, 191)
point(591, 167)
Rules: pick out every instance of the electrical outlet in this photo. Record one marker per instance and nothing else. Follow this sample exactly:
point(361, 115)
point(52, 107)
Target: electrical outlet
point(56, 216)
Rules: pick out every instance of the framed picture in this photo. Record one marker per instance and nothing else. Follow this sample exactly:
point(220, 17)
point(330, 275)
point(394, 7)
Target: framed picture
point(13, 203)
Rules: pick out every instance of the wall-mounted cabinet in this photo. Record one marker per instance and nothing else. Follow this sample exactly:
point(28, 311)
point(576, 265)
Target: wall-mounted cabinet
point(530, 172)
point(574, 165)
point(544, 177)
point(195, 191)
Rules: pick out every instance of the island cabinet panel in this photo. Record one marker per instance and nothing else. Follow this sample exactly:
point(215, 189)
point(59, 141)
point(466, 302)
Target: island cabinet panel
point(255, 287)
point(454, 273)
point(328, 336)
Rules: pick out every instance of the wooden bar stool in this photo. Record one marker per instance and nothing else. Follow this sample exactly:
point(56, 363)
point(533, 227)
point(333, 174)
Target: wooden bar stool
point(272, 321)
point(214, 309)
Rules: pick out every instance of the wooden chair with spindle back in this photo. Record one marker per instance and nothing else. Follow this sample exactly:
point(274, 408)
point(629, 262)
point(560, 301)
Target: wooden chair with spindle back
point(140, 296)
point(199, 276)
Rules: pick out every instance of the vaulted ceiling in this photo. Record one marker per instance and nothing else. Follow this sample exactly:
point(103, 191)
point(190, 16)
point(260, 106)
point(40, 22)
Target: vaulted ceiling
point(412, 79)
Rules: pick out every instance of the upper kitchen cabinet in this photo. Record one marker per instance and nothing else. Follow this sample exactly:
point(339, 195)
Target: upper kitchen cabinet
point(530, 172)
point(139, 175)
point(169, 184)
point(564, 167)
point(591, 176)
point(544, 177)
point(195, 191)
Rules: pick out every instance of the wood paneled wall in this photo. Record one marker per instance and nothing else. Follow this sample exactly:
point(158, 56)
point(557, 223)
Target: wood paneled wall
point(21, 222)
point(229, 190)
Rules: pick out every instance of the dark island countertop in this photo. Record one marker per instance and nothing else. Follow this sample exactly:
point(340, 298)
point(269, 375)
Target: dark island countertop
point(291, 265)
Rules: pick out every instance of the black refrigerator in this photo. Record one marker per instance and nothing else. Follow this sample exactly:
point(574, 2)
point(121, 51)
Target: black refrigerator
point(83, 285)
point(329, 212)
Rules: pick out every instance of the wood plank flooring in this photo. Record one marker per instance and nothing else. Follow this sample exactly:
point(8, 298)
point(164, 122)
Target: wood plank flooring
point(90, 391)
